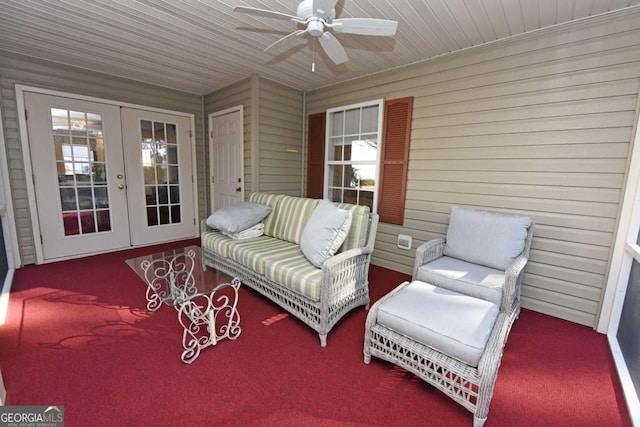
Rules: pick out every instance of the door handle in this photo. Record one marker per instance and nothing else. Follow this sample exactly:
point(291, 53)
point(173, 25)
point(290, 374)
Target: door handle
point(238, 189)
point(120, 186)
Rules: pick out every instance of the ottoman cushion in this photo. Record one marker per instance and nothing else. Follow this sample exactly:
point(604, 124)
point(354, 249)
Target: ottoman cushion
point(454, 324)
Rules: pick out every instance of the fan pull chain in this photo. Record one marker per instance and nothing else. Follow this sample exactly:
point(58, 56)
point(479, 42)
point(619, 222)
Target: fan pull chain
point(313, 57)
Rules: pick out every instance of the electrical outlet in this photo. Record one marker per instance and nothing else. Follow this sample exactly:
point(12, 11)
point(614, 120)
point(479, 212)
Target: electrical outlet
point(404, 241)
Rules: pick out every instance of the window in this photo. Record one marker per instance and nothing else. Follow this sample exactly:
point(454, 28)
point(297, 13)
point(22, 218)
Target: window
point(354, 135)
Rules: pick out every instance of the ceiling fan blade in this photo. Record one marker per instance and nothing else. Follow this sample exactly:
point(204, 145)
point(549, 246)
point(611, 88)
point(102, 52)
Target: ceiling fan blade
point(323, 8)
point(365, 26)
point(264, 12)
point(284, 42)
point(333, 48)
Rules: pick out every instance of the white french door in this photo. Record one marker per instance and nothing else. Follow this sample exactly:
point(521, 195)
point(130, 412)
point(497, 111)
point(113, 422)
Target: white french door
point(226, 157)
point(107, 177)
point(160, 183)
point(78, 171)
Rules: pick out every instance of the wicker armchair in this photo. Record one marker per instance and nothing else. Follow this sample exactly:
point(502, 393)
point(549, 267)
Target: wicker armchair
point(450, 325)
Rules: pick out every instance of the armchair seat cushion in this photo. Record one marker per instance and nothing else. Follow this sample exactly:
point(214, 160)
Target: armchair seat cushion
point(454, 324)
point(464, 277)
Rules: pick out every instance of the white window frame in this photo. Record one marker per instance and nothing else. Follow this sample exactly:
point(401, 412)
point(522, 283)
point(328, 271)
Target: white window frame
point(329, 146)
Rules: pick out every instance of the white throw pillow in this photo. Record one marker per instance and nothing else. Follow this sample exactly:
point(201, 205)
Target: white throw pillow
point(238, 217)
point(324, 233)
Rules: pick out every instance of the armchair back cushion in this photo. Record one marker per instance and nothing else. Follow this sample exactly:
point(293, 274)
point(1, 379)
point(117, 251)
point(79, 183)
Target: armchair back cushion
point(487, 238)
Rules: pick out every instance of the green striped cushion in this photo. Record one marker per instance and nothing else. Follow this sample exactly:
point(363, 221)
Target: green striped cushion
point(295, 272)
point(257, 253)
point(292, 214)
point(216, 241)
point(269, 200)
point(357, 236)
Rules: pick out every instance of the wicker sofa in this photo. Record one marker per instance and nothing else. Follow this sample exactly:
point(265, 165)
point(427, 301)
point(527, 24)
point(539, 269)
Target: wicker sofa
point(274, 265)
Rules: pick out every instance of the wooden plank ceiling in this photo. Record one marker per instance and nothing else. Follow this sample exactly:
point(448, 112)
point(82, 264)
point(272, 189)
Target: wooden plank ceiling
point(200, 46)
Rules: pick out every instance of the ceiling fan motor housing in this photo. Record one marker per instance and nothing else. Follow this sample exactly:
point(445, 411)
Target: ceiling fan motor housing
point(305, 12)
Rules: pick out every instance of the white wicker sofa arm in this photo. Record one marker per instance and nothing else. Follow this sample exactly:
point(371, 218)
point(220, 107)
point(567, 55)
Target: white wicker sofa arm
point(345, 279)
point(343, 257)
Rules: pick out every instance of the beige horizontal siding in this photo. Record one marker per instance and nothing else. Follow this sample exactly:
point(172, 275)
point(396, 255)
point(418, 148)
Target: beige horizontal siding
point(539, 125)
point(18, 69)
point(280, 138)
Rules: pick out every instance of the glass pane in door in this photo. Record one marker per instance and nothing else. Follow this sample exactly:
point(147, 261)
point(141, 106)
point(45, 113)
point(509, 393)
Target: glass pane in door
point(159, 145)
point(82, 171)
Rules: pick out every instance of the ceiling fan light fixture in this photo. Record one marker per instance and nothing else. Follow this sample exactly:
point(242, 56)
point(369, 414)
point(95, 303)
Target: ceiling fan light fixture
point(315, 27)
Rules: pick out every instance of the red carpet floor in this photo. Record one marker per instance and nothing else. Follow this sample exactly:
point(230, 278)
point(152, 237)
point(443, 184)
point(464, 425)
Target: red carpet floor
point(78, 334)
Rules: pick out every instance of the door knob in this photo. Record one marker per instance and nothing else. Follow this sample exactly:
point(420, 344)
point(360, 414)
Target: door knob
point(120, 186)
point(238, 189)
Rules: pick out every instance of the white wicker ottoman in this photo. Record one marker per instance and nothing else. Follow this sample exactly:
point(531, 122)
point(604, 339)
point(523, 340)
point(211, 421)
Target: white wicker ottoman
point(450, 340)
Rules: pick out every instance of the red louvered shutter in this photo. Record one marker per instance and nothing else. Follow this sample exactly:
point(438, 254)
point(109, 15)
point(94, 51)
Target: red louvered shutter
point(315, 155)
point(395, 158)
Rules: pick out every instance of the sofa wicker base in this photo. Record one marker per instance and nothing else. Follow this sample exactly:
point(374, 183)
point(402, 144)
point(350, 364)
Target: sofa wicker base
point(472, 387)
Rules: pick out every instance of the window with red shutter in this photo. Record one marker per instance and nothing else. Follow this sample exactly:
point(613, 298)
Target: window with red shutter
point(354, 142)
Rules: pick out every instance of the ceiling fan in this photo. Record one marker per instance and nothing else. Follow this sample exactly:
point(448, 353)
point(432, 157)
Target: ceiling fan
point(318, 16)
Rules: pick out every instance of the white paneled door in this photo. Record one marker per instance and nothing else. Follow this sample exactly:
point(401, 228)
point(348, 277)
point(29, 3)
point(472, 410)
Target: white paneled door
point(226, 153)
point(107, 177)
